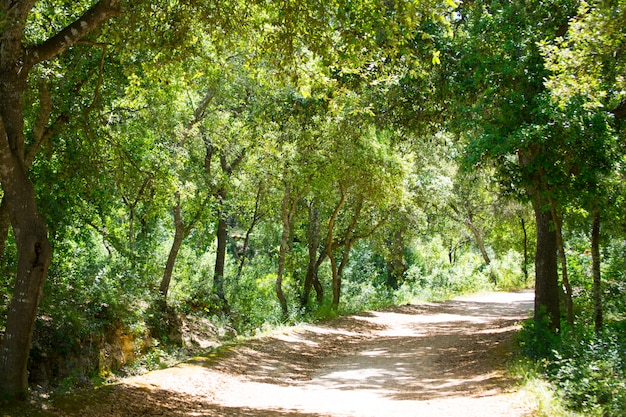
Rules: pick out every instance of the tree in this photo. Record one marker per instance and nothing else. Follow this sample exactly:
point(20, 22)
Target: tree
point(182, 229)
point(495, 72)
point(587, 65)
point(368, 176)
point(17, 59)
point(471, 199)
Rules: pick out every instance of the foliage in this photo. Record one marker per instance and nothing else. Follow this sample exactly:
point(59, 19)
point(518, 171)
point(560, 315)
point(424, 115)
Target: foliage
point(538, 394)
point(586, 368)
point(588, 61)
point(591, 373)
point(537, 341)
point(432, 271)
point(418, 131)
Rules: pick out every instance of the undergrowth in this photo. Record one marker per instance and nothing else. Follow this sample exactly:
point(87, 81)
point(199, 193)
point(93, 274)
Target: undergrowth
point(575, 373)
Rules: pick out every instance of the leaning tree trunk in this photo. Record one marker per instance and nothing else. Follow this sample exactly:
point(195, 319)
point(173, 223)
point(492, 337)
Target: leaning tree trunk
point(479, 240)
point(349, 241)
point(179, 236)
point(256, 218)
point(338, 278)
point(481, 246)
point(597, 278)
point(546, 275)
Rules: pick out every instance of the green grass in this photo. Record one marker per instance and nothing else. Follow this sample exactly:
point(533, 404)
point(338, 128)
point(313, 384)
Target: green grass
point(538, 394)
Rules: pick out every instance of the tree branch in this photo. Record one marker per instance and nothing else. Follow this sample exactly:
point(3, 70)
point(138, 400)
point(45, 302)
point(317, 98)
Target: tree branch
point(619, 112)
point(89, 21)
point(200, 111)
point(45, 109)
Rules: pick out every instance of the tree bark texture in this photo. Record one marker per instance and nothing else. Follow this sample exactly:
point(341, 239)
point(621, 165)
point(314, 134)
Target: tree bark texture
point(179, 236)
point(313, 240)
point(220, 255)
point(525, 246)
point(558, 226)
point(282, 252)
point(34, 255)
point(5, 224)
point(595, 267)
point(546, 275)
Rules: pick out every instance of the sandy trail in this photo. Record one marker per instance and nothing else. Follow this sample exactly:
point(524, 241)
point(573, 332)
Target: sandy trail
point(433, 359)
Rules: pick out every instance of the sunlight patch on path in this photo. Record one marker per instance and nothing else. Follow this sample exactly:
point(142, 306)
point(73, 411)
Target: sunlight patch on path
point(430, 360)
point(389, 380)
point(312, 399)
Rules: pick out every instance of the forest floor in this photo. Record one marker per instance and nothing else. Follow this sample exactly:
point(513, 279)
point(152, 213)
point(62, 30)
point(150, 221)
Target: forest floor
point(432, 359)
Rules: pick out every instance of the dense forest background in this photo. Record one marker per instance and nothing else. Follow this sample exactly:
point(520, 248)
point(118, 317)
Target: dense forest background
point(249, 164)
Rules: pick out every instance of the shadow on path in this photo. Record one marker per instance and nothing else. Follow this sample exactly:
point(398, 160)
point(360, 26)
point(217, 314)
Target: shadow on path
point(397, 360)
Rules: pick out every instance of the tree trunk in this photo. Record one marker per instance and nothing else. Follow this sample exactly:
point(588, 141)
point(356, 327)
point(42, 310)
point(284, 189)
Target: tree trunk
point(349, 241)
point(313, 241)
point(546, 276)
point(5, 224)
point(329, 250)
point(179, 236)
point(220, 193)
point(396, 266)
point(481, 246)
point(338, 277)
point(31, 236)
point(479, 240)
point(34, 255)
point(256, 217)
point(558, 225)
point(317, 285)
point(29, 228)
point(597, 278)
point(220, 256)
point(282, 253)
point(525, 246)
point(42, 133)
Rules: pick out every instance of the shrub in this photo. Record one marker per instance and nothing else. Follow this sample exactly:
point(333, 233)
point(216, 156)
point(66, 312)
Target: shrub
point(591, 374)
point(536, 340)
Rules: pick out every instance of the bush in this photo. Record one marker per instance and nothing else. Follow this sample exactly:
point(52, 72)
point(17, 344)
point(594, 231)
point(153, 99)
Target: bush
point(507, 271)
point(588, 370)
point(537, 341)
point(591, 374)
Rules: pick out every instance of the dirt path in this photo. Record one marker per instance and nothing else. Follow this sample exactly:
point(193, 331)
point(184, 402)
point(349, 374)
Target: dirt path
point(436, 359)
